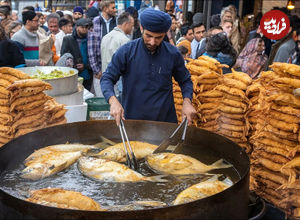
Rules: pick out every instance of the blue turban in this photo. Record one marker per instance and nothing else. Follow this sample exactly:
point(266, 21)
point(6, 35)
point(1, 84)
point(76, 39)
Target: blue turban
point(78, 9)
point(155, 21)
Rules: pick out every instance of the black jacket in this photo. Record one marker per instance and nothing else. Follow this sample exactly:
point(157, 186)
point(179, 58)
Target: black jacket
point(10, 54)
point(70, 45)
point(112, 25)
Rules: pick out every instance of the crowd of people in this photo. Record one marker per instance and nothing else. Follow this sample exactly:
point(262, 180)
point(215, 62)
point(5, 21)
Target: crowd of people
point(86, 39)
point(230, 42)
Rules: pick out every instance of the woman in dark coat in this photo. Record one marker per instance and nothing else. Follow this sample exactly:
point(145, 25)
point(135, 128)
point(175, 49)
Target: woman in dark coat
point(10, 54)
point(219, 47)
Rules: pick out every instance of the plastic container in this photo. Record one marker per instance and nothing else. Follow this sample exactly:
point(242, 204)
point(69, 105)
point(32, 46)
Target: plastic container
point(98, 109)
point(72, 99)
point(76, 113)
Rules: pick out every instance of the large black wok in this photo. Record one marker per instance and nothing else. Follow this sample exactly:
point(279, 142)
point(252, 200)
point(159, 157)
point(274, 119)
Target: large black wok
point(229, 204)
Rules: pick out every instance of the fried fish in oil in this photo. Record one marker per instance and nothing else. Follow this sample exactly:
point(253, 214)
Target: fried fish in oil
point(60, 198)
point(179, 164)
point(117, 152)
point(201, 190)
point(110, 171)
point(50, 160)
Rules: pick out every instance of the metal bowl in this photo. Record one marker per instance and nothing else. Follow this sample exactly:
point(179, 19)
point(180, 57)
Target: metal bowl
point(61, 86)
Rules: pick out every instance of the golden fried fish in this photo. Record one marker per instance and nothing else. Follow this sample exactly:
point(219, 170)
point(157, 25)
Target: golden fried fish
point(59, 147)
point(117, 152)
point(292, 69)
point(110, 171)
point(295, 163)
point(65, 199)
point(51, 160)
point(26, 100)
point(20, 84)
point(49, 164)
point(201, 190)
point(14, 72)
point(179, 164)
point(243, 77)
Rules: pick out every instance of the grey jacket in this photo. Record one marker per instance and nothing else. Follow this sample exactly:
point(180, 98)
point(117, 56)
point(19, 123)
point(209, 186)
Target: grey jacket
point(111, 42)
point(285, 51)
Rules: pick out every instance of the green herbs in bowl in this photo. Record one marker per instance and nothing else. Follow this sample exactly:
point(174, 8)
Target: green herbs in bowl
point(54, 74)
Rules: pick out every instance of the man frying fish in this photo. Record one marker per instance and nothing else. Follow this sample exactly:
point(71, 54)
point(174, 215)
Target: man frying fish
point(147, 66)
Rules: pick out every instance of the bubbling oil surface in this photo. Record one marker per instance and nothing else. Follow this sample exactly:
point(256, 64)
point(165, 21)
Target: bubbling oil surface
point(109, 194)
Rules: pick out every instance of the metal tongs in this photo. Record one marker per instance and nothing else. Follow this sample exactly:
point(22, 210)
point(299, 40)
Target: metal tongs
point(131, 162)
point(173, 140)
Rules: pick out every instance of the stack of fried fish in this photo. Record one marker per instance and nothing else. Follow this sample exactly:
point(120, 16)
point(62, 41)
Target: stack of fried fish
point(274, 118)
point(55, 113)
point(24, 107)
point(208, 102)
point(205, 73)
point(27, 101)
point(219, 100)
point(177, 99)
point(233, 107)
point(253, 93)
point(7, 77)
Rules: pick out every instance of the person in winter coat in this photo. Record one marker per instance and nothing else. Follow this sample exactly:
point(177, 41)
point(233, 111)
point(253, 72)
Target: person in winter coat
point(295, 58)
point(10, 54)
point(219, 47)
point(76, 44)
point(27, 39)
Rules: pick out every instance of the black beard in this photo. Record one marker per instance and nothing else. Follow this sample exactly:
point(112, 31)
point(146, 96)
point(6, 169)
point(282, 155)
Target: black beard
point(81, 35)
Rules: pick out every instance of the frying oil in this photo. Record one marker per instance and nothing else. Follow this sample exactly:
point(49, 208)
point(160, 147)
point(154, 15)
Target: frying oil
point(111, 193)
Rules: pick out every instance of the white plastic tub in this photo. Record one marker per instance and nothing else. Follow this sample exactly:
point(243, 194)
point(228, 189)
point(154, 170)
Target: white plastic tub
point(76, 113)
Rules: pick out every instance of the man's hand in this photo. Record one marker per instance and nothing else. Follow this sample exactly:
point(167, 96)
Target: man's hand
point(53, 37)
point(98, 76)
point(116, 109)
point(42, 63)
point(80, 66)
point(188, 110)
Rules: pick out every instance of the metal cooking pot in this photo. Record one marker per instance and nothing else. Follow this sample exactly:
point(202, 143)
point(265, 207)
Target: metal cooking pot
point(61, 86)
point(231, 203)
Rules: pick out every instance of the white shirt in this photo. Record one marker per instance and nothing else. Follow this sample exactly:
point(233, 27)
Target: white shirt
point(58, 41)
point(107, 22)
point(194, 47)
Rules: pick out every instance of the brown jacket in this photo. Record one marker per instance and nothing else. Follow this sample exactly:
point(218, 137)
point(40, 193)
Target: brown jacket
point(45, 52)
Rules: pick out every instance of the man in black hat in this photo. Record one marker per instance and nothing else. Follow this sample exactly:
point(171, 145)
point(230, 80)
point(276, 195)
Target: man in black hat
point(147, 66)
point(76, 44)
